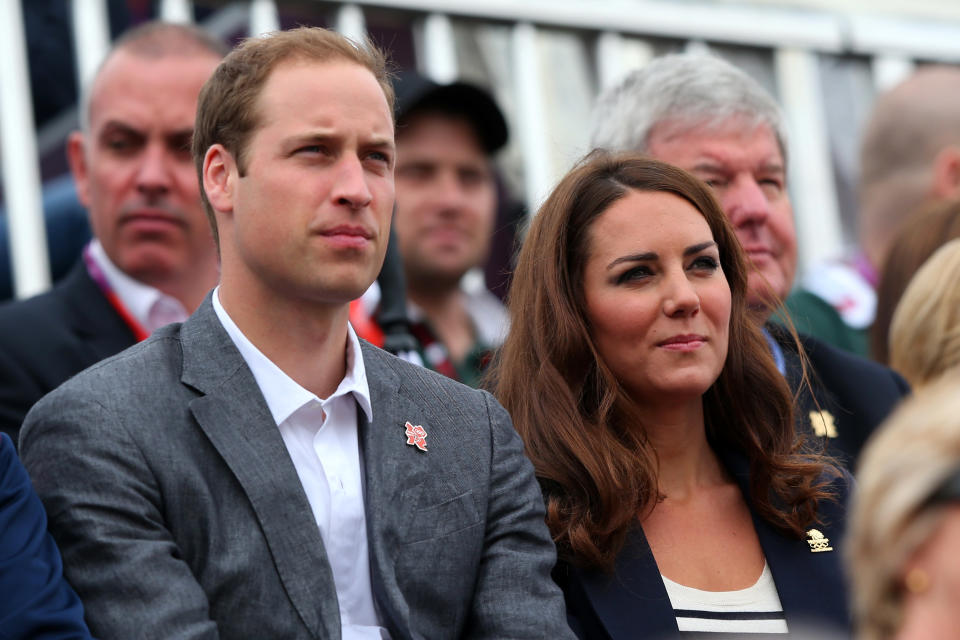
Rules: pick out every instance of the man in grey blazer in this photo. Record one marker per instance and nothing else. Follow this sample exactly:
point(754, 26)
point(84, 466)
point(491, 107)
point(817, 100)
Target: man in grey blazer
point(258, 472)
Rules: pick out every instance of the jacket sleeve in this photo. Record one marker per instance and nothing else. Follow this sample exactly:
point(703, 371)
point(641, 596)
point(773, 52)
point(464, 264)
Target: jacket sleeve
point(515, 596)
point(106, 514)
point(35, 599)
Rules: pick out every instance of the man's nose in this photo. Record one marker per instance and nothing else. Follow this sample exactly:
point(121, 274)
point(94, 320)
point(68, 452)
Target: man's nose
point(351, 188)
point(745, 202)
point(154, 173)
point(449, 192)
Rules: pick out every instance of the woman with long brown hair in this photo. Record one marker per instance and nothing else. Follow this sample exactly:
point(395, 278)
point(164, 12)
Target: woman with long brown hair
point(676, 489)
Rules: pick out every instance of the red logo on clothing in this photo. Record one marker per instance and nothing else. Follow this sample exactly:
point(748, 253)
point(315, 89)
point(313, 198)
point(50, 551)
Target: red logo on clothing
point(416, 436)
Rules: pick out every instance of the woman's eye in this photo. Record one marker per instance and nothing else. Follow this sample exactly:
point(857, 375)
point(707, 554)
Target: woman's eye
point(636, 273)
point(705, 263)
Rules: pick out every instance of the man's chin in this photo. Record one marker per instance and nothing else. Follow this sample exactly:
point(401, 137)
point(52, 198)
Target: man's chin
point(764, 296)
point(436, 278)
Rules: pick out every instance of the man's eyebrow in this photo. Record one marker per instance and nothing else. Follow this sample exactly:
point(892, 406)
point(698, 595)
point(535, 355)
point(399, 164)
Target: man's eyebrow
point(112, 126)
point(709, 166)
point(179, 134)
point(380, 142)
point(650, 256)
point(772, 167)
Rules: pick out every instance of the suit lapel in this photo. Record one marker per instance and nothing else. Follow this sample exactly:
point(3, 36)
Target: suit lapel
point(633, 601)
point(235, 418)
point(385, 498)
point(808, 583)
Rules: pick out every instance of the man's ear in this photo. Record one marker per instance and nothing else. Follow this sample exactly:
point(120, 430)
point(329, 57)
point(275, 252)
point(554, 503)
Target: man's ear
point(219, 178)
point(946, 173)
point(76, 157)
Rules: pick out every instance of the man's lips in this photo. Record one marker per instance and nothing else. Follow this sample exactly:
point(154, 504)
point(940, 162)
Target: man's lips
point(683, 342)
point(347, 236)
point(758, 252)
point(151, 219)
point(446, 233)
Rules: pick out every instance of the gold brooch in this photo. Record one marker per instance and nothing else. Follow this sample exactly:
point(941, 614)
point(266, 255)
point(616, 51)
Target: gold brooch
point(818, 543)
point(823, 424)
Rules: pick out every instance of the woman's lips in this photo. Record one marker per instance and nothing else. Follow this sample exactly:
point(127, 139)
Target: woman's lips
point(683, 342)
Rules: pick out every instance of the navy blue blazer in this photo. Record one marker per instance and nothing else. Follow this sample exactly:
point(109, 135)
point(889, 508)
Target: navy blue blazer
point(854, 394)
point(633, 603)
point(35, 599)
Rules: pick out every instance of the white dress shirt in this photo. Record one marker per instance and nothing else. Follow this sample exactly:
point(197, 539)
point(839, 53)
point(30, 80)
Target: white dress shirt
point(150, 307)
point(321, 437)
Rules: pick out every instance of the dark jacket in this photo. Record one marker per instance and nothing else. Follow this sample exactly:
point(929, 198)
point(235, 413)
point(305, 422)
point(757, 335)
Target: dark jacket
point(854, 394)
point(35, 600)
point(49, 338)
point(633, 603)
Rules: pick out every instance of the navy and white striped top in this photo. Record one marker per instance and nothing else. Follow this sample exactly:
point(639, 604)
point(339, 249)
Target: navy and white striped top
point(756, 609)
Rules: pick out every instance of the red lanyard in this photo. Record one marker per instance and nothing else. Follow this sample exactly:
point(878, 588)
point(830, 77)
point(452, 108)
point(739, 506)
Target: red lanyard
point(97, 275)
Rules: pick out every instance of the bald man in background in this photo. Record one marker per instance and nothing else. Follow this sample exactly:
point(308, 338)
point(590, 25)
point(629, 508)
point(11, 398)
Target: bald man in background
point(909, 158)
point(153, 258)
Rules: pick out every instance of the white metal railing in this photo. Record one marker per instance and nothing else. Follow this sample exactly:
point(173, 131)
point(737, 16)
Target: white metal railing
point(614, 30)
point(21, 173)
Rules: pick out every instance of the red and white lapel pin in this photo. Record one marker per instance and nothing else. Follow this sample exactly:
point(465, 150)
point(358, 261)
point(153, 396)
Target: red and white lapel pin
point(416, 436)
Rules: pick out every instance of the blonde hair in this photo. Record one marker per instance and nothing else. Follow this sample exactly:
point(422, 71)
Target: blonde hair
point(902, 466)
point(925, 329)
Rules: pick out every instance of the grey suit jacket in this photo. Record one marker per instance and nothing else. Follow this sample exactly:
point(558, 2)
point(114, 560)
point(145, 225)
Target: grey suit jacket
point(180, 514)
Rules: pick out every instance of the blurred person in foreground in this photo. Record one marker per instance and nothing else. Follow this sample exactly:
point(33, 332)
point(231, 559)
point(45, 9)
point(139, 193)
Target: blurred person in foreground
point(259, 472)
point(677, 491)
point(919, 237)
point(925, 332)
point(905, 521)
point(447, 201)
point(153, 258)
point(909, 158)
point(704, 115)
point(35, 599)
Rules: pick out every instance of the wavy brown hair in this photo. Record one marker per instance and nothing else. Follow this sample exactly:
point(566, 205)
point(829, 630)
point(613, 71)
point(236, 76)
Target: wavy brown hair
point(598, 471)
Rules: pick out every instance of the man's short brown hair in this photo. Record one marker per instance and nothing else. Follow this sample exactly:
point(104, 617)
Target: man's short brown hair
point(226, 110)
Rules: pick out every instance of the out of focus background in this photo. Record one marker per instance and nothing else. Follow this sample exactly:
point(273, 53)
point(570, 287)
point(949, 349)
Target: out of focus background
point(544, 60)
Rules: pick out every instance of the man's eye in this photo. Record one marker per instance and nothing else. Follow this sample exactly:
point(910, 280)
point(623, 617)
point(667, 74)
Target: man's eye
point(715, 183)
point(472, 178)
point(414, 172)
point(772, 185)
point(120, 144)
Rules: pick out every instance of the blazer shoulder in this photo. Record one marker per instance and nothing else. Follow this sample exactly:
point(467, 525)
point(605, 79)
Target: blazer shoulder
point(17, 315)
point(824, 356)
point(410, 375)
point(133, 368)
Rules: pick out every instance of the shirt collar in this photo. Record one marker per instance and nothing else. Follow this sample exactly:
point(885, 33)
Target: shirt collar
point(138, 298)
point(283, 395)
point(776, 351)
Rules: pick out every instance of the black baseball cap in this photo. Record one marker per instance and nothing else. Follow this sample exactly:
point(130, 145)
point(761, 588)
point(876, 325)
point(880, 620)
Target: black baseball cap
point(415, 92)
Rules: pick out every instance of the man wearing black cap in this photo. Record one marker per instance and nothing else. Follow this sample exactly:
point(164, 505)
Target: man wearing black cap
point(446, 208)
